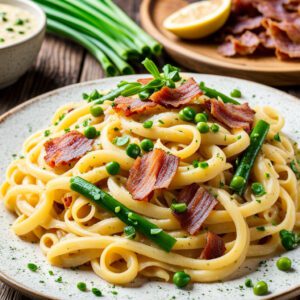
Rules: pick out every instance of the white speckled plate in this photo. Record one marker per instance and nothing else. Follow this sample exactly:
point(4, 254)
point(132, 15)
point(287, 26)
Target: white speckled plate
point(15, 254)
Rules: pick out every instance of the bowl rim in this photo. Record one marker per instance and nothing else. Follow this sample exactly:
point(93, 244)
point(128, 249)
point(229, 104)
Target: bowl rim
point(41, 26)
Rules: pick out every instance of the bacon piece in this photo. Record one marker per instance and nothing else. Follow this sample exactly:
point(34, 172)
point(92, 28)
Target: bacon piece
point(273, 9)
point(145, 81)
point(233, 116)
point(245, 44)
point(66, 149)
point(130, 106)
point(199, 205)
point(155, 170)
point(285, 48)
point(214, 247)
point(176, 97)
point(266, 41)
point(67, 201)
point(246, 23)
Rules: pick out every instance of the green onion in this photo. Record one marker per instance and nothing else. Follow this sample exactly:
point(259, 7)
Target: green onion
point(90, 191)
point(32, 267)
point(277, 137)
point(294, 167)
point(257, 138)
point(289, 239)
point(212, 93)
point(248, 283)
point(121, 140)
point(66, 31)
point(179, 207)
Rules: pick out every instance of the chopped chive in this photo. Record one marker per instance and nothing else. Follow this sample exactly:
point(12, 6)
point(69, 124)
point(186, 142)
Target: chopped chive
point(81, 286)
point(179, 207)
point(32, 267)
point(260, 228)
point(277, 137)
point(117, 209)
point(47, 133)
point(96, 292)
point(203, 164)
point(236, 93)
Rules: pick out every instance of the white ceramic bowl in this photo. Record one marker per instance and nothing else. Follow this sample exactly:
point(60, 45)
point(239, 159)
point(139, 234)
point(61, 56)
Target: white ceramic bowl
point(17, 58)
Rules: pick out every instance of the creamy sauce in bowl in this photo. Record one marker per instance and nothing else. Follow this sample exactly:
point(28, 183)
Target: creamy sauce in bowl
point(16, 24)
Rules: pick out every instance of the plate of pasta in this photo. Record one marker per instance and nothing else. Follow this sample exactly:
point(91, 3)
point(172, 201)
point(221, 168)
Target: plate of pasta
point(169, 185)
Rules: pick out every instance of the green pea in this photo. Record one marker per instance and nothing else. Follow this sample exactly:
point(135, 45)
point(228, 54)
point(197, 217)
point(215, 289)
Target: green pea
point(201, 117)
point(203, 127)
point(96, 110)
point(237, 182)
point(236, 93)
point(147, 145)
point(90, 132)
point(181, 279)
point(112, 168)
point(133, 150)
point(187, 114)
point(148, 124)
point(284, 264)
point(258, 189)
point(179, 207)
point(214, 128)
point(260, 288)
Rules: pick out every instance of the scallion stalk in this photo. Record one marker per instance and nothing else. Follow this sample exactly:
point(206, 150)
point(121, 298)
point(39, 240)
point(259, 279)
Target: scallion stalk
point(65, 31)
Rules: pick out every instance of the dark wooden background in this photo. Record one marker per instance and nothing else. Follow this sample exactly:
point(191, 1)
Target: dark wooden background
point(60, 63)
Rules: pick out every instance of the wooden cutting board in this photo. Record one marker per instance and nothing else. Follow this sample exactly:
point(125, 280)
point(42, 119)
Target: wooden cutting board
point(202, 55)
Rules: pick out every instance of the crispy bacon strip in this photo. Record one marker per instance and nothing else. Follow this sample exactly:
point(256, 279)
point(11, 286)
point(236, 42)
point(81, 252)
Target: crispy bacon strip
point(66, 149)
point(246, 23)
point(176, 97)
point(233, 116)
point(130, 106)
point(245, 44)
point(155, 170)
point(199, 205)
point(214, 247)
point(67, 201)
point(285, 47)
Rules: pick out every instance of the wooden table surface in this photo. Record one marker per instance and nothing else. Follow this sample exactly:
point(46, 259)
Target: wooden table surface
point(60, 63)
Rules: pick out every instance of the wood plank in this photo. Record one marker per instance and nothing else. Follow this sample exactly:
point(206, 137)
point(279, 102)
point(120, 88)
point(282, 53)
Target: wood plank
point(58, 64)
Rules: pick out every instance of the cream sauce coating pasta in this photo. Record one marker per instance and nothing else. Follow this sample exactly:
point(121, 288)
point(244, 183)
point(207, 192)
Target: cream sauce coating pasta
point(85, 233)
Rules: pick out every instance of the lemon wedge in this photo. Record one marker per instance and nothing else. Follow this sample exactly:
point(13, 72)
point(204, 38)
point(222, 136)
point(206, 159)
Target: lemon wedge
point(199, 19)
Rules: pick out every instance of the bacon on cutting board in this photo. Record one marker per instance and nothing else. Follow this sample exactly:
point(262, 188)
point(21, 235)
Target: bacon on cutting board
point(66, 149)
point(199, 205)
point(214, 247)
point(175, 97)
point(154, 170)
point(233, 116)
point(130, 106)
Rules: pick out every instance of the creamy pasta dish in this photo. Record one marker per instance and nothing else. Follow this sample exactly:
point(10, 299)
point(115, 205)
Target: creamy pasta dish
point(164, 178)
